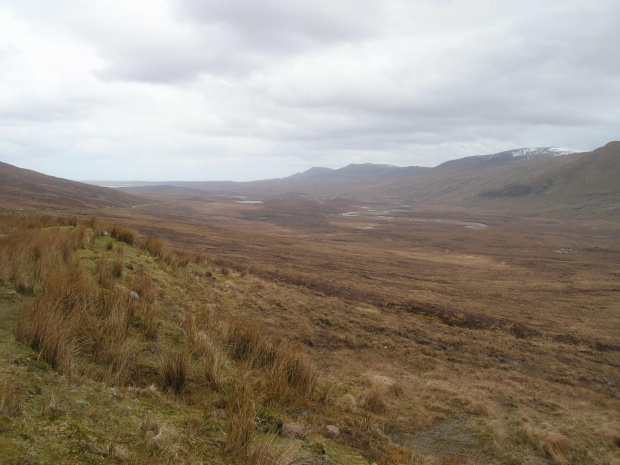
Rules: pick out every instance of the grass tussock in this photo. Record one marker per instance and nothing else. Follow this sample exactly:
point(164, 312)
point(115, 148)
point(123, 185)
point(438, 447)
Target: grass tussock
point(266, 452)
point(173, 371)
point(123, 234)
point(74, 314)
point(556, 446)
point(240, 416)
point(10, 400)
point(374, 400)
point(211, 357)
point(289, 367)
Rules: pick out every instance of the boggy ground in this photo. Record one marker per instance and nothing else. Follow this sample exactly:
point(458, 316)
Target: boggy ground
point(486, 334)
point(469, 337)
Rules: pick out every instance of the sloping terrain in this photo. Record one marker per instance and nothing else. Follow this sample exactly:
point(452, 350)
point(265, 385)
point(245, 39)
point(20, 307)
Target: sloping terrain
point(590, 183)
point(26, 189)
point(113, 352)
point(550, 180)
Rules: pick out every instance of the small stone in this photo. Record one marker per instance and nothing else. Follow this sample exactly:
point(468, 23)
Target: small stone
point(291, 430)
point(333, 430)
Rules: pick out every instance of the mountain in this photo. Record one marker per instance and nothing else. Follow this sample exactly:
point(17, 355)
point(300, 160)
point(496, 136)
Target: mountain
point(504, 158)
point(26, 189)
point(591, 182)
point(535, 180)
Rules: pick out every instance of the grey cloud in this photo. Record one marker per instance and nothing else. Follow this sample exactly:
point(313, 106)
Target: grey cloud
point(282, 84)
point(282, 25)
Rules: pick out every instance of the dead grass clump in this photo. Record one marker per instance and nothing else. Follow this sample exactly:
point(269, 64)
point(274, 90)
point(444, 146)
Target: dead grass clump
point(10, 403)
point(374, 400)
point(396, 389)
point(117, 268)
point(150, 424)
point(152, 329)
point(45, 328)
point(52, 409)
point(123, 234)
point(109, 245)
point(173, 370)
point(121, 363)
point(285, 361)
point(248, 342)
point(347, 402)
point(297, 368)
point(155, 246)
point(144, 286)
point(103, 272)
point(22, 281)
point(480, 407)
point(264, 452)
point(212, 358)
point(556, 446)
point(97, 226)
point(240, 416)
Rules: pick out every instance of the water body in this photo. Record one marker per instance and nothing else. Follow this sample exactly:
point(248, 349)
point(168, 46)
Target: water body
point(249, 201)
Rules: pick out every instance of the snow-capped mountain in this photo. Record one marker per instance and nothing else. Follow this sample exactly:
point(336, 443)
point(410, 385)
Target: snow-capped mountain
point(535, 152)
point(507, 157)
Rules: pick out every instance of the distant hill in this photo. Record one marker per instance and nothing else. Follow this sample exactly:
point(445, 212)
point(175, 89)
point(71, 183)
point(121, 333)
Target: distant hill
point(26, 189)
point(539, 180)
point(504, 158)
point(592, 182)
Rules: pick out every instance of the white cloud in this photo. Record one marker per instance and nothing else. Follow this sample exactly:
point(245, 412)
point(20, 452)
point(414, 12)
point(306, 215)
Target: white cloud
point(218, 89)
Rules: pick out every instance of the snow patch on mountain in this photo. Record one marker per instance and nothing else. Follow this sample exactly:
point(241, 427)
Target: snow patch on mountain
point(535, 152)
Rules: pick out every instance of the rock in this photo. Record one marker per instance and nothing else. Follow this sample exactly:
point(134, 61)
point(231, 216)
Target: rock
point(133, 294)
point(333, 430)
point(291, 430)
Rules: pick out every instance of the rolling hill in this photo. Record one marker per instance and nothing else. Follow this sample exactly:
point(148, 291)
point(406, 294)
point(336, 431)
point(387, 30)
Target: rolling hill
point(26, 189)
point(544, 179)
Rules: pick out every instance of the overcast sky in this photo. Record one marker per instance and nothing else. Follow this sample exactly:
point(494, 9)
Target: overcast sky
point(254, 89)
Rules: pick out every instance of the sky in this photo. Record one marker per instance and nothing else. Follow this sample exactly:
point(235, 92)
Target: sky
point(246, 89)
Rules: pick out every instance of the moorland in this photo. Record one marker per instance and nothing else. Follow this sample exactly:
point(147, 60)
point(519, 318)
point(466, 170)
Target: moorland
point(355, 323)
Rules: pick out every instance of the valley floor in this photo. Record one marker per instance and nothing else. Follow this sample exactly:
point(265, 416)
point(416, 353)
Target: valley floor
point(462, 337)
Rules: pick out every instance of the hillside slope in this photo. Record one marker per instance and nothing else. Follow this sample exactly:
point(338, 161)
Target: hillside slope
point(588, 183)
point(26, 189)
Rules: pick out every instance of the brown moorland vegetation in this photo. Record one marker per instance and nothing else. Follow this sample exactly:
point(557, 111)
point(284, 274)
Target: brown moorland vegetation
point(237, 333)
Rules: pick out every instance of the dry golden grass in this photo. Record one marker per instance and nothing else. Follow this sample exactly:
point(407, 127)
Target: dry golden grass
point(10, 400)
point(265, 452)
point(212, 358)
point(240, 415)
point(123, 234)
point(511, 396)
point(173, 370)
